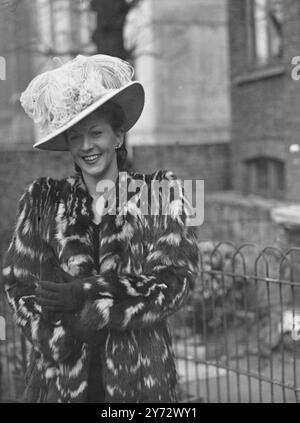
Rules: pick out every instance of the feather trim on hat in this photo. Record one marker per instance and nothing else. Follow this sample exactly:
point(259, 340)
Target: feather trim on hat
point(54, 97)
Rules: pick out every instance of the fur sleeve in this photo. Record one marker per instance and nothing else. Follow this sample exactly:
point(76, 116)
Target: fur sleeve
point(127, 301)
point(26, 256)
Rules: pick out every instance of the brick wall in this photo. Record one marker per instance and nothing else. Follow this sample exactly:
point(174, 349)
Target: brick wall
point(232, 217)
point(210, 162)
point(292, 96)
point(265, 108)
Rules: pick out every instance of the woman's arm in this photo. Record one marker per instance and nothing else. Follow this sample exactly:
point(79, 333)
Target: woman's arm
point(27, 254)
point(129, 301)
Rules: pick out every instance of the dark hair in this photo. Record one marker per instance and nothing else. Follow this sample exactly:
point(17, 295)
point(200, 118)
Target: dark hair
point(113, 113)
point(115, 116)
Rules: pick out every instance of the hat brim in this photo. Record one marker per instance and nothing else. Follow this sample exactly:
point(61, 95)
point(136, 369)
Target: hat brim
point(131, 98)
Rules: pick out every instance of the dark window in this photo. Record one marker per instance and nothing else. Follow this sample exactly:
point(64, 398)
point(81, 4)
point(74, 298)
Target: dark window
point(264, 24)
point(265, 176)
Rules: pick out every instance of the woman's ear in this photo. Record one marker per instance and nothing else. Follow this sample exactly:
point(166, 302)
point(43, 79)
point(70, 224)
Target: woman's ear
point(120, 136)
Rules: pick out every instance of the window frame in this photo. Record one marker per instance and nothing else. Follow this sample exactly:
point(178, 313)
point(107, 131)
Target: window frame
point(275, 177)
point(252, 61)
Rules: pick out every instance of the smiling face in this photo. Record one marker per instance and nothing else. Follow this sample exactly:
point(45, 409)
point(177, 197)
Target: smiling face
point(92, 144)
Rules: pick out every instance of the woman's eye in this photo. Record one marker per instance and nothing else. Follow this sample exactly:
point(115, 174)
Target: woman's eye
point(73, 137)
point(96, 133)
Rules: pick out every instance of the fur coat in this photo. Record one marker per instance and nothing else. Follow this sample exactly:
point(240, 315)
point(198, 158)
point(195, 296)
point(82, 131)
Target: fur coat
point(147, 265)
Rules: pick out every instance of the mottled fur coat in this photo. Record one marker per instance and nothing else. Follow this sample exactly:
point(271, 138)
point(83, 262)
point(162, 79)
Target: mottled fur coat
point(148, 264)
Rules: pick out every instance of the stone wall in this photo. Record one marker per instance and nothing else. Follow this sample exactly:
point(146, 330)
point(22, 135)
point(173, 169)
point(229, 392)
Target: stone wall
point(209, 162)
point(232, 217)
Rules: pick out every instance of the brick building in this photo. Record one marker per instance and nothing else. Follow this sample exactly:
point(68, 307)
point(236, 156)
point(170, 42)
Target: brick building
point(264, 37)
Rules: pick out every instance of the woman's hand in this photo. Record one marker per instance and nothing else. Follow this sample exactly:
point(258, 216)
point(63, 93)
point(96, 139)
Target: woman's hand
point(82, 332)
point(60, 297)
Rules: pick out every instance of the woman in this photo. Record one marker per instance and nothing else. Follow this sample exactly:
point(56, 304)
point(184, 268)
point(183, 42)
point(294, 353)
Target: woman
point(91, 277)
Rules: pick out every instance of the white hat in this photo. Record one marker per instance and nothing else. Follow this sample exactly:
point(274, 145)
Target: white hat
point(58, 99)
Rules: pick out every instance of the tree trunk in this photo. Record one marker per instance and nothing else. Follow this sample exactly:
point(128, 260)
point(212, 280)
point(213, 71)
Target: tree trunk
point(108, 36)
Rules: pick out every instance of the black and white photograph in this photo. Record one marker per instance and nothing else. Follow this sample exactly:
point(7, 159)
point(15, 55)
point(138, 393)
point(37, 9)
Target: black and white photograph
point(150, 204)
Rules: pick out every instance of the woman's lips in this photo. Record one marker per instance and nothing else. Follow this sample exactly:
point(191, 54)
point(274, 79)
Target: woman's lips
point(92, 158)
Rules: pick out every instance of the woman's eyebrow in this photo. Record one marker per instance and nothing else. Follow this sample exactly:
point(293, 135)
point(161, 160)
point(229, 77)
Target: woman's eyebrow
point(95, 125)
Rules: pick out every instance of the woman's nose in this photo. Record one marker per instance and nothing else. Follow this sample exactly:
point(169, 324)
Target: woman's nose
point(86, 143)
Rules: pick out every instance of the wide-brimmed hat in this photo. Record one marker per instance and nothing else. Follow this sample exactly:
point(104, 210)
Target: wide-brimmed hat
point(58, 99)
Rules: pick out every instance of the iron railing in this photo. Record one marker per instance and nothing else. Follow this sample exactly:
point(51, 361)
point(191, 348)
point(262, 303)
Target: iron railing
point(13, 357)
point(238, 336)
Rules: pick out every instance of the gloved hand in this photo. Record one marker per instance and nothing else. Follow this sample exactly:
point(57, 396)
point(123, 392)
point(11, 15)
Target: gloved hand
point(83, 332)
point(60, 297)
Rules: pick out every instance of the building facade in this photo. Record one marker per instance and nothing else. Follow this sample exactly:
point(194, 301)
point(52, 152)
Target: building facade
point(264, 37)
point(181, 57)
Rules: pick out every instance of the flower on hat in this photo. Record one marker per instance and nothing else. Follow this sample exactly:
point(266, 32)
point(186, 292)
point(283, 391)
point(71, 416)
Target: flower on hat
point(54, 97)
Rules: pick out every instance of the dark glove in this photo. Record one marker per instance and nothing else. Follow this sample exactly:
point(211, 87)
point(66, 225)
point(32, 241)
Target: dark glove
point(83, 332)
point(60, 297)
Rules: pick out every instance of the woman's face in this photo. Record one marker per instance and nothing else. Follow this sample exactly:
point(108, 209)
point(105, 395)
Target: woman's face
point(92, 144)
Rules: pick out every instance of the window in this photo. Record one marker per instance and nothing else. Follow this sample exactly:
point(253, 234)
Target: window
point(84, 22)
point(65, 27)
point(265, 42)
point(265, 176)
